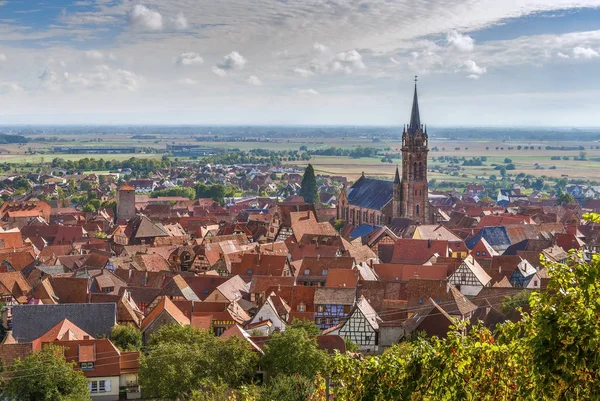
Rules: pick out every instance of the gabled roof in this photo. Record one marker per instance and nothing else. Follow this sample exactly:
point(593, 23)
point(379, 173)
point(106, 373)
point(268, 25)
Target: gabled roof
point(237, 331)
point(141, 227)
point(477, 270)
point(63, 331)
point(497, 237)
point(167, 306)
point(436, 232)
point(370, 193)
point(368, 312)
point(459, 305)
point(232, 289)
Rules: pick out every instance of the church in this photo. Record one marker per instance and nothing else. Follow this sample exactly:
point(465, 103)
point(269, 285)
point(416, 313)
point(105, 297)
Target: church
point(378, 202)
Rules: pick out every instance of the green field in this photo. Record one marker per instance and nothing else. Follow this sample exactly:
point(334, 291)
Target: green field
point(535, 161)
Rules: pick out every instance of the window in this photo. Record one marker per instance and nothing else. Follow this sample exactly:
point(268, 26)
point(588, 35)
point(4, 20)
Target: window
point(301, 307)
point(325, 272)
point(321, 308)
point(420, 301)
point(306, 272)
point(99, 386)
point(417, 210)
point(86, 365)
point(483, 253)
point(477, 253)
point(249, 271)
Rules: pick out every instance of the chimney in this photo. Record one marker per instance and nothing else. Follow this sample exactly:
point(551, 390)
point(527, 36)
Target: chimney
point(318, 257)
point(428, 243)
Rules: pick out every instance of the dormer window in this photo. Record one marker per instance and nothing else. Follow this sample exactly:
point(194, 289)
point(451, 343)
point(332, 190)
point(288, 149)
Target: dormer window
point(86, 365)
point(325, 272)
point(301, 307)
point(306, 272)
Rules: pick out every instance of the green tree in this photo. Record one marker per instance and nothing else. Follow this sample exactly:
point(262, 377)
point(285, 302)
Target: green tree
point(566, 199)
point(127, 337)
point(183, 359)
point(308, 188)
point(294, 351)
point(45, 375)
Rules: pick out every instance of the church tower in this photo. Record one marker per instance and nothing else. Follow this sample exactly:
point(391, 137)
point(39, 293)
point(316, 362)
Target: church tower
point(413, 189)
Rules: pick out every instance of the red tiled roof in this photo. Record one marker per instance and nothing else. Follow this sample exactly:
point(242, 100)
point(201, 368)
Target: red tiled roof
point(404, 272)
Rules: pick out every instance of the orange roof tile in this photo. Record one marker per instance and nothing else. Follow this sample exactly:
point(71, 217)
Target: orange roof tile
point(166, 305)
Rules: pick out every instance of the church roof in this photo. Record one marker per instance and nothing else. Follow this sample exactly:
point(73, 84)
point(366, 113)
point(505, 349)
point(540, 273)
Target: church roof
point(371, 193)
point(415, 118)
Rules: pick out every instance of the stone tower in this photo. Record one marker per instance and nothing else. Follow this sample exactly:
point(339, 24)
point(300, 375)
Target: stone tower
point(413, 189)
point(125, 203)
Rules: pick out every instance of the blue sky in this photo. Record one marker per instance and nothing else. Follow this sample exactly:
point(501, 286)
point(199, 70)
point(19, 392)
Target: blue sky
point(480, 63)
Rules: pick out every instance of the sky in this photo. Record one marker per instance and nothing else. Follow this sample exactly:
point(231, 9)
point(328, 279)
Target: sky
point(314, 62)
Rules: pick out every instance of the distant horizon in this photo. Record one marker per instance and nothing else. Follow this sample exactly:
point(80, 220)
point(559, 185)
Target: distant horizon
point(241, 125)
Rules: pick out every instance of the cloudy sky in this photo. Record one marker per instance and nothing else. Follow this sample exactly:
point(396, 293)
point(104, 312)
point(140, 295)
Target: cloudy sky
point(479, 62)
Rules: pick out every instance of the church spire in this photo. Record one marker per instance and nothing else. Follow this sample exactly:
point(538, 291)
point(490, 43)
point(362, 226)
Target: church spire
point(397, 178)
point(415, 118)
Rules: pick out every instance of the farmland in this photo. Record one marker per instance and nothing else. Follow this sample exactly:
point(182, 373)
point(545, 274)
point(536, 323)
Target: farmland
point(528, 157)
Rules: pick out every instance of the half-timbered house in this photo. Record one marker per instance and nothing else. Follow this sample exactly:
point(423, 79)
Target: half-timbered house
point(470, 277)
point(361, 326)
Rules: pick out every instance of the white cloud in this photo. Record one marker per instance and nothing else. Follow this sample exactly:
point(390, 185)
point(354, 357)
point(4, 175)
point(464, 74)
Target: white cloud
point(3, 57)
point(189, 58)
point(143, 18)
point(232, 61)
point(6, 87)
point(347, 61)
point(188, 81)
point(219, 72)
point(562, 55)
point(303, 72)
point(393, 60)
point(460, 42)
point(473, 68)
point(94, 55)
point(179, 23)
point(100, 77)
point(585, 53)
point(253, 80)
point(308, 92)
point(473, 76)
point(321, 48)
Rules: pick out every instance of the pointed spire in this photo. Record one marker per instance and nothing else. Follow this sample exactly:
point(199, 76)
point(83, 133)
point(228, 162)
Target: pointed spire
point(397, 178)
point(415, 118)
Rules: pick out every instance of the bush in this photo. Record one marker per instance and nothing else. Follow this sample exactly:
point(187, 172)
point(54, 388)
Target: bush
point(126, 337)
point(288, 388)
